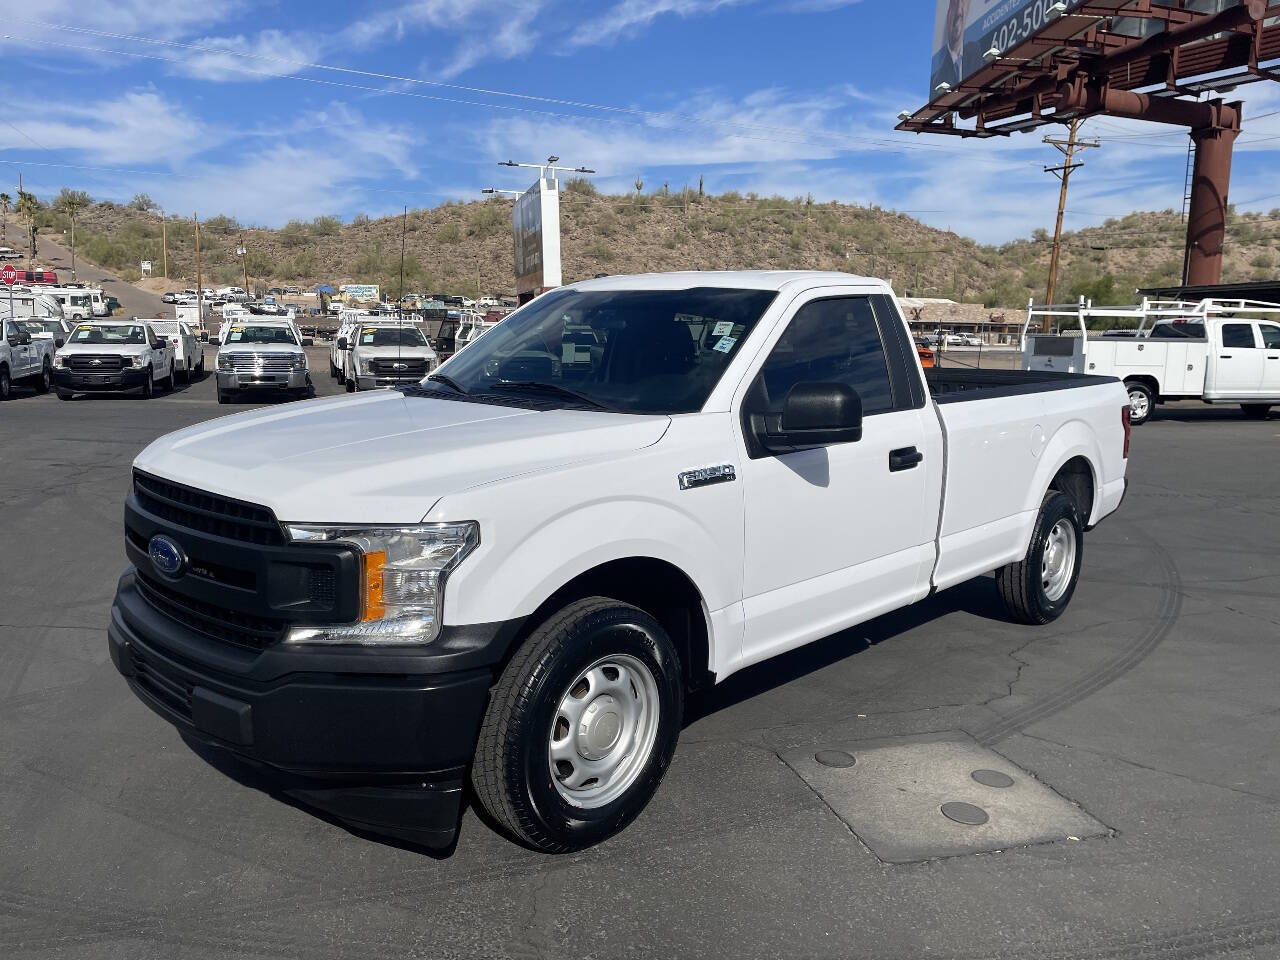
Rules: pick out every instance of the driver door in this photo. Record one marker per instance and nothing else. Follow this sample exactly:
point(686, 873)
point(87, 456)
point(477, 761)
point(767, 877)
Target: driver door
point(840, 533)
point(19, 353)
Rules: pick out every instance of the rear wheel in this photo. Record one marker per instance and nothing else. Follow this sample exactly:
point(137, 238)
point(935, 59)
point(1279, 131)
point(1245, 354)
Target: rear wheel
point(1038, 587)
point(1256, 411)
point(45, 379)
point(581, 726)
point(1142, 402)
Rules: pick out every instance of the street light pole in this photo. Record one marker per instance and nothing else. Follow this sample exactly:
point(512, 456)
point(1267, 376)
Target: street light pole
point(242, 252)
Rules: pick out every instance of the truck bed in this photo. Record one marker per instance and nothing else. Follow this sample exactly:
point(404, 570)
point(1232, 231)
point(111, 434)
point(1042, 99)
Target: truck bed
point(951, 385)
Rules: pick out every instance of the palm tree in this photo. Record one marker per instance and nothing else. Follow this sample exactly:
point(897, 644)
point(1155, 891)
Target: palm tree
point(28, 206)
point(71, 202)
point(6, 202)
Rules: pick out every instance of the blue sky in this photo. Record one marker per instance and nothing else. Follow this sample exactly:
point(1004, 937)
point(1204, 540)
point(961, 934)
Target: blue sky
point(195, 103)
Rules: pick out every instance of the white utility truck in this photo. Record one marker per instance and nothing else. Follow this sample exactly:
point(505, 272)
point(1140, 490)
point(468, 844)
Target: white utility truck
point(1213, 350)
point(516, 570)
point(188, 352)
point(385, 353)
point(107, 356)
point(25, 357)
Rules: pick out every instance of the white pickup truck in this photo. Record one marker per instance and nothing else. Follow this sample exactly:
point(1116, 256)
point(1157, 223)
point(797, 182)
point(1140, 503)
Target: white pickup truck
point(107, 356)
point(385, 353)
point(1217, 351)
point(25, 356)
point(517, 570)
point(261, 354)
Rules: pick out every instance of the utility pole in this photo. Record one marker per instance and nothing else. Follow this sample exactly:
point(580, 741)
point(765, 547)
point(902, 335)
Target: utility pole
point(1068, 148)
point(244, 261)
point(164, 242)
point(199, 280)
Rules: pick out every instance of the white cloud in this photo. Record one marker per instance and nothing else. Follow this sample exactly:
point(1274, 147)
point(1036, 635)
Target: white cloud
point(165, 20)
point(630, 16)
point(271, 53)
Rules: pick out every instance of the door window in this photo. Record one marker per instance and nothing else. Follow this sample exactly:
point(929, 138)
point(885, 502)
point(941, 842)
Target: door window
point(1238, 335)
point(828, 341)
point(1270, 336)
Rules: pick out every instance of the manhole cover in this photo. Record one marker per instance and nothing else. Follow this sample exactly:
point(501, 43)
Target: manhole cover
point(965, 813)
point(835, 758)
point(992, 778)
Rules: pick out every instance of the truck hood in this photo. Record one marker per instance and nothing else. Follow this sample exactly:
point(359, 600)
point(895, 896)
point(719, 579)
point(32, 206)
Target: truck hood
point(383, 457)
point(259, 348)
point(419, 352)
point(108, 349)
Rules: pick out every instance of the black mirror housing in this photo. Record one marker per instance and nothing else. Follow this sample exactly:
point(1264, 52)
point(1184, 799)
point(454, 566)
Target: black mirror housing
point(59, 342)
point(23, 338)
point(308, 341)
point(342, 343)
point(814, 415)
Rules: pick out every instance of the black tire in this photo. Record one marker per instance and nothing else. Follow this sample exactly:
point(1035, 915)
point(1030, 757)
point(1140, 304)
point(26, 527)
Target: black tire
point(186, 372)
point(224, 397)
point(169, 382)
point(1256, 411)
point(511, 773)
point(1022, 584)
point(351, 385)
point(6, 383)
point(45, 380)
point(148, 386)
point(66, 395)
point(1142, 402)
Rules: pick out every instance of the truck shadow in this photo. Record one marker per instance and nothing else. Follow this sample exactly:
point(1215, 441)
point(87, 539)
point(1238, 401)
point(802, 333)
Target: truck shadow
point(977, 597)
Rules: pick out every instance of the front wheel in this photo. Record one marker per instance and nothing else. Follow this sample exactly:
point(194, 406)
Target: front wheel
point(1142, 402)
point(224, 397)
point(1038, 587)
point(6, 384)
point(66, 395)
point(581, 726)
point(1256, 411)
point(148, 385)
point(171, 380)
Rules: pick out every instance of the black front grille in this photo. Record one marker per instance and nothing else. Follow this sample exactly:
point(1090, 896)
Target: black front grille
point(174, 694)
point(229, 626)
point(95, 363)
point(398, 368)
point(197, 510)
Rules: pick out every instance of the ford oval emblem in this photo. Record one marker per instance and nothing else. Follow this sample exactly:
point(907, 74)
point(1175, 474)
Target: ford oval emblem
point(166, 556)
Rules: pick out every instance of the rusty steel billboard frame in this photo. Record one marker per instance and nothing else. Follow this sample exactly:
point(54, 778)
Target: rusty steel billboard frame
point(1078, 67)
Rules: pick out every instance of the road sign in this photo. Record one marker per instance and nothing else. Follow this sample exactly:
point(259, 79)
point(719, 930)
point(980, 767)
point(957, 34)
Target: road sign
point(9, 275)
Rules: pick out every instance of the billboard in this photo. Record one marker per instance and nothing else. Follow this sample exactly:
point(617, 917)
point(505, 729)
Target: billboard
point(359, 292)
point(535, 228)
point(964, 30)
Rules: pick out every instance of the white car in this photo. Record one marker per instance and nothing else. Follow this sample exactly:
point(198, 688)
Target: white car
point(262, 355)
point(971, 340)
point(187, 350)
point(386, 355)
point(517, 571)
point(108, 356)
point(24, 357)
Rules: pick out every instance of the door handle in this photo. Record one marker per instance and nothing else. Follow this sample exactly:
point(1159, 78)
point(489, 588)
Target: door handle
point(904, 458)
point(1225, 356)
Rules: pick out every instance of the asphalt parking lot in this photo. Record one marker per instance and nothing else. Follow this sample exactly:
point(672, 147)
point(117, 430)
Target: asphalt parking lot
point(1143, 725)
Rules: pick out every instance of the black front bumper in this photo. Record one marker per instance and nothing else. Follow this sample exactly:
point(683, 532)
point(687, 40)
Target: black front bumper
point(130, 379)
point(379, 740)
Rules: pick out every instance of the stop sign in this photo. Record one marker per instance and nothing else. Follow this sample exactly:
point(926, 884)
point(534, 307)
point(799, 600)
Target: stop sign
point(9, 275)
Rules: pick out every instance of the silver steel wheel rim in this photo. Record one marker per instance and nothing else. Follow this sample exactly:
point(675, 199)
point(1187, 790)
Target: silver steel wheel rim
point(1058, 560)
point(604, 730)
point(1139, 404)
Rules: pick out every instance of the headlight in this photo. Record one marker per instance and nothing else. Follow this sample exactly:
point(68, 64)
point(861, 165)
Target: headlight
point(59, 361)
point(299, 362)
point(138, 360)
point(224, 362)
point(403, 574)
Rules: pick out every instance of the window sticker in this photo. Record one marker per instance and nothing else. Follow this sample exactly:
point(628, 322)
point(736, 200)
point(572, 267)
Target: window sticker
point(722, 329)
point(725, 344)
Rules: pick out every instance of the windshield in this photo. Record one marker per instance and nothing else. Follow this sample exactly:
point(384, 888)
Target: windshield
point(120, 333)
point(1178, 329)
point(635, 351)
point(392, 337)
point(259, 334)
point(42, 326)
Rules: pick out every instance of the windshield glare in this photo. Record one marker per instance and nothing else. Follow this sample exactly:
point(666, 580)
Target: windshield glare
point(634, 351)
point(257, 334)
point(121, 333)
point(392, 337)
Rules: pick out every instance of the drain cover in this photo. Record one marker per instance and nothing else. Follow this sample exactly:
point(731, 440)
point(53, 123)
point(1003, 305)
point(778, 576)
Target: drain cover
point(965, 813)
point(992, 778)
point(835, 758)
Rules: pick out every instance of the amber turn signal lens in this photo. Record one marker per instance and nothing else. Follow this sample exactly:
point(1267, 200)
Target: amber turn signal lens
point(375, 563)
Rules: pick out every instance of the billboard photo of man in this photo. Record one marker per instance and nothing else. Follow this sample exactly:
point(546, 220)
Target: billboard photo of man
point(948, 44)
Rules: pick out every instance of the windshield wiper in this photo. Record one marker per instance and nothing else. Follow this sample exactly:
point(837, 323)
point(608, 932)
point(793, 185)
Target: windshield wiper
point(524, 386)
point(448, 381)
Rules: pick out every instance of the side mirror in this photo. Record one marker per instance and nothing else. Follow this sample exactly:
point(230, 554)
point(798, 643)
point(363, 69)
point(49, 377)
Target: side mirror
point(308, 341)
point(59, 341)
point(23, 338)
point(342, 343)
point(814, 415)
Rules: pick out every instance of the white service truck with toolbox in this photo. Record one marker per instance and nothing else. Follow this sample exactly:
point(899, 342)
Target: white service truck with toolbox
point(516, 571)
point(25, 357)
point(1216, 351)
